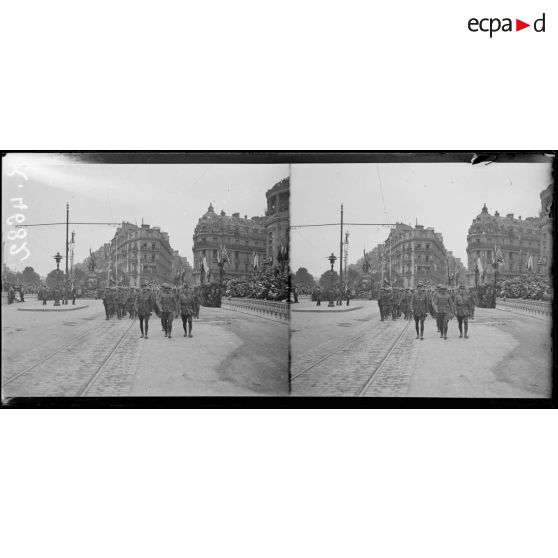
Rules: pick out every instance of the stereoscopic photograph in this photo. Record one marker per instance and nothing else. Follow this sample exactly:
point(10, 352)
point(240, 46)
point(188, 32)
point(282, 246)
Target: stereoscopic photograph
point(131, 276)
point(423, 278)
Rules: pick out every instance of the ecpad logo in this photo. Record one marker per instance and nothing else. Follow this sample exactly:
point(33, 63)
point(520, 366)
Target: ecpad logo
point(493, 25)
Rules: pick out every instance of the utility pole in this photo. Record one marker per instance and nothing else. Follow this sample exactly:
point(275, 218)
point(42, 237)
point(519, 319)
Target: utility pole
point(341, 258)
point(72, 257)
point(67, 247)
point(346, 255)
point(390, 282)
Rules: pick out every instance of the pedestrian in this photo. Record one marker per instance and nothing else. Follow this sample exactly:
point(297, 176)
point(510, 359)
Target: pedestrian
point(419, 308)
point(318, 296)
point(462, 304)
point(73, 293)
point(168, 308)
point(144, 304)
point(186, 303)
point(444, 310)
point(43, 295)
point(348, 295)
point(295, 294)
point(21, 299)
point(197, 302)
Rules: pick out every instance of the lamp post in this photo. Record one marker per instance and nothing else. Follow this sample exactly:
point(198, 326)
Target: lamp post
point(332, 260)
point(58, 259)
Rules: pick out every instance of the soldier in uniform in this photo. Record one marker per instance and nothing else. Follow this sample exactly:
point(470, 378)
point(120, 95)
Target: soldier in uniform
point(108, 302)
point(168, 308)
point(381, 303)
point(122, 296)
point(130, 302)
point(462, 305)
point(394, 303)
point(144, 304)
point(406, 304)
point(472, 303)
point(197, 303)
point(419, 308)
point(444, 310)
point(186, 303)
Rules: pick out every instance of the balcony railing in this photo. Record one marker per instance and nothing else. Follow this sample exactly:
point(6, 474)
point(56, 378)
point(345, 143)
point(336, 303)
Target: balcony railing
point(278, 311)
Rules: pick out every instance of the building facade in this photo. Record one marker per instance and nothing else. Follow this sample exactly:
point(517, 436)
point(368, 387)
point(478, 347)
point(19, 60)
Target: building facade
point(547, 208)
point(517, 238)
point(414, 254)
point(262, 239)
point(136, 254)
point(242, 237)
point(277, 222)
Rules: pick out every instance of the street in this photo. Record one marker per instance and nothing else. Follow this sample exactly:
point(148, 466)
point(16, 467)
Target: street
point(80, 353)
point(355, 354)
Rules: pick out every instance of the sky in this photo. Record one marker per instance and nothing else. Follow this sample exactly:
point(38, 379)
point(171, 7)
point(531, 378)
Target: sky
point(446, 196)
point(172, 197)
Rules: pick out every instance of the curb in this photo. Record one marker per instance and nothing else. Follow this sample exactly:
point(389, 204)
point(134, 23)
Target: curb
point(52, 309)
point(330, 311)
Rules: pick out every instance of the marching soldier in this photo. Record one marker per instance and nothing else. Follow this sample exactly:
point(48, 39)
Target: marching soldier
point(108, 302)
point(144, 304)
point(130, 302)
point(168, 308)
point(406, 304)
point(473, 301)
point(419, 307)
point(394, 303)
point(444, 310)
point(187, 308)
point(462, 305)
point(197, 303)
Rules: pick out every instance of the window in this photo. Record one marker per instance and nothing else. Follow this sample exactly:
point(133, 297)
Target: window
point(153, 246)
point(428, 248)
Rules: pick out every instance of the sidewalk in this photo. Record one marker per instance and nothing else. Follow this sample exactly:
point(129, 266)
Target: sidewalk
point(307, 305)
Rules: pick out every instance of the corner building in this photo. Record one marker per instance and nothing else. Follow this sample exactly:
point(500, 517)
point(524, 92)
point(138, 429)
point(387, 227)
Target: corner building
point(243, 237)
point(415, 254)
point(516, 238)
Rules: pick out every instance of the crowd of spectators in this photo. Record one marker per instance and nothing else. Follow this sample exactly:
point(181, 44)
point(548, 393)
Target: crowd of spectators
point(527, 287)
point(263, 285)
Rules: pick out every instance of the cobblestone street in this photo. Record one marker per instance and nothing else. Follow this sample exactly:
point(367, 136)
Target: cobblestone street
point(350, 354)
point(79, 353)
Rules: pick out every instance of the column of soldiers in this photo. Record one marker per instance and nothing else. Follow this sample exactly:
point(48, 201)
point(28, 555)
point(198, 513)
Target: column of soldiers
point(441, 304)
point(166, 301)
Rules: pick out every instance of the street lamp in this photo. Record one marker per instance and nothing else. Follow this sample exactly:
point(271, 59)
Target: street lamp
point(332, 260)
point(58, 259)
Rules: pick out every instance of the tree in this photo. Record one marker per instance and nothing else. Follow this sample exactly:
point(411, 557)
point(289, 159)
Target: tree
point(325, 280)
point(55, 278)
point(79, 276)
point(30, 277)
point(303, 279)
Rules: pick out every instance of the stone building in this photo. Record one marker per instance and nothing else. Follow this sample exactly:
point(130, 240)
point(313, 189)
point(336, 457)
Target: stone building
point(547, 207)
point(135, 254)
point(515, 237)
point(414, 254)
point(277, 221)
point(265, 237)
point(242, 238)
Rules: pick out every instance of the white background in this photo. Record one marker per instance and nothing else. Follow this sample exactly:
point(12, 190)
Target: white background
point(285, 75)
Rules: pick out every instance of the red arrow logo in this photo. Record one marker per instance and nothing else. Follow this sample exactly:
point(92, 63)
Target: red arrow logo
point(519, 25)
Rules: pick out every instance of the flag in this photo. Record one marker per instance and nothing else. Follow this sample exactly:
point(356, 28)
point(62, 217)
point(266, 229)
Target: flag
point(255, 261)
point(225, 255)
point(479, 267)
point(530, 262)
point(499, 256)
